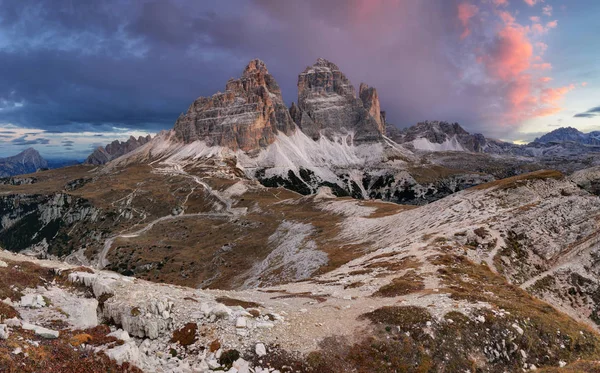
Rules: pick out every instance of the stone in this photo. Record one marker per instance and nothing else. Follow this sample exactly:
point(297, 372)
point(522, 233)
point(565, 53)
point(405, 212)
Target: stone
point(126, 352)
point(220, 311)
point(241, 366)
point(3, 264)
point(247, 116)
point(260, 349)
point(33, 301)
point(241, 322)
point(41, 331)
point(4, 331)
point(13, 322)
point(123, 335)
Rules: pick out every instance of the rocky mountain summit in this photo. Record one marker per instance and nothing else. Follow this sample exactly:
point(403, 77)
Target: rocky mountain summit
point(247, 116)
point(105, 154)
point(28, 161)
point(569, 134)
point(327, 105)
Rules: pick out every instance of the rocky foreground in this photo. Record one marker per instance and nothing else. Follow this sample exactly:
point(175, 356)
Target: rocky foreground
point(446, 287)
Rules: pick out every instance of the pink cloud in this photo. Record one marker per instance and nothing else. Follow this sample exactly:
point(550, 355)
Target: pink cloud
point(545, 79)
point(500, 2)
point(542, 66)
point(533, 2)
point(553, 95)
point(583, 84)
point(542, 47)
point(466, 11)
point(538, 29)
point(506, 17)
point(510, 54)
point(552, 24)
point(535, 19)
point(547, 10)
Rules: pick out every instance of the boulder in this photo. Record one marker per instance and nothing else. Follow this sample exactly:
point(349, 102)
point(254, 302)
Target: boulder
point(41, 331)
point(33, 301)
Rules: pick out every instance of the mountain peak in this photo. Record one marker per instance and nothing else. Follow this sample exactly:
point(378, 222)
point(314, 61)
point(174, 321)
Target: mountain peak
point(327, 105)
point(566, 134)
point(247, 116)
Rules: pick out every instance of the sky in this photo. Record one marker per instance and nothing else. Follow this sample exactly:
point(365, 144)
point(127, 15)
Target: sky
point(78, 74)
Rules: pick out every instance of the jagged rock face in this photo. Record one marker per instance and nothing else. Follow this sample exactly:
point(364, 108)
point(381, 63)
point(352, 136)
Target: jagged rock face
point(370, 100)
point(116, 149)
point(247, 116)
point(45, 224)
point(327, 105)
point(27, 161)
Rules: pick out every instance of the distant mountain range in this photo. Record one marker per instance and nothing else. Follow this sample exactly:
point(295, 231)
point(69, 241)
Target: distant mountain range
point(569, 134)
point(28, 161)
point(105, 154)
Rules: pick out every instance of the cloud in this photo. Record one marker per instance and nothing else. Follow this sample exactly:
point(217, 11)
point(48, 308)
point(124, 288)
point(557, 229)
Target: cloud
point(532, 2)
point(547, 10)
point(542, 66)
point(583, 84)
point(592, 113)
point(24, 141)
point(541, 46)
point(138, 64)
point(466, 11)
point(509, 54)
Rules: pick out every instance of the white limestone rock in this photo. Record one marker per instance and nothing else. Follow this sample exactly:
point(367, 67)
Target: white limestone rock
point(41, 331)
point(260, 349)
point(33, 301)
point(4, 331)
point(127, 352)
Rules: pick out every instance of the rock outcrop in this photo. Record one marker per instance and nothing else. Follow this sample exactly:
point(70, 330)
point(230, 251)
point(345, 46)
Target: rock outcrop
point(116, 149)
point(247, 116)
point(370, 99)
point(28, 161)
point(327, 105)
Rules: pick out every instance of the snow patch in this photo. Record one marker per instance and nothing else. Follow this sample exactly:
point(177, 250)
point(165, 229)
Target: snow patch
point(450, 144)
point(294, 258)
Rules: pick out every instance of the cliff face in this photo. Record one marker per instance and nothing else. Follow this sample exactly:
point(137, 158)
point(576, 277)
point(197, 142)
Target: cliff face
point(116, 149)
point(327, 104)
point(246, 116)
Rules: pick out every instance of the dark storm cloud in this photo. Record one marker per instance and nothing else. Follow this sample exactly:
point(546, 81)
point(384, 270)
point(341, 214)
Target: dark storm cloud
point(24, 141)
point(92, 66)
point(593, 112)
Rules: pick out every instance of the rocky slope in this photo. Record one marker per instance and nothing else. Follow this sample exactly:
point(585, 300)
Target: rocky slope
point(28, 161)
point(115, 149)
point(444, 284)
